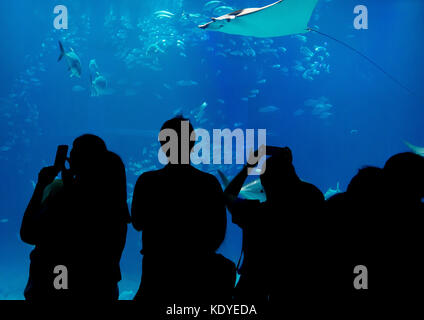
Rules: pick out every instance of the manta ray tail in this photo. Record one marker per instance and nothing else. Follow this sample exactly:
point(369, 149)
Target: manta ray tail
point(375, 64)
point(62, 51)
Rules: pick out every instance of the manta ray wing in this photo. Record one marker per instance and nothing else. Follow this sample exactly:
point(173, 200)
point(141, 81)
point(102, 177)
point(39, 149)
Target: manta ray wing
point(281, 18)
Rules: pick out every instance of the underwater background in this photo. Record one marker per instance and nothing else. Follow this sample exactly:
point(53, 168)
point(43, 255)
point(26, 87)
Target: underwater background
point(336, 111)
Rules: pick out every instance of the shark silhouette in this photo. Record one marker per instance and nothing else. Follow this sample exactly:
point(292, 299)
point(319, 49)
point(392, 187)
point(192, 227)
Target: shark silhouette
point(415, 149)
point(331, 192)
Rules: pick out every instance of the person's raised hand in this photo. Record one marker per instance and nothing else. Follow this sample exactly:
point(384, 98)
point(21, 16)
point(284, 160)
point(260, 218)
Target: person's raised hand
point(255, 157)
point(47, 175)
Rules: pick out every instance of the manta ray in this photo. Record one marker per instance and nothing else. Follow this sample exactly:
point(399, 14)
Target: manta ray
point(250, 191)
point(278, 19)
point(73, 61)
point(281, 18)
point(415, 149)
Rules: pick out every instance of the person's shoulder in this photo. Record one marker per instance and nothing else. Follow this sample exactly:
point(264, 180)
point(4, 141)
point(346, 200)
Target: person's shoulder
point(150, 175)
point(311, 189)
point(205, 176)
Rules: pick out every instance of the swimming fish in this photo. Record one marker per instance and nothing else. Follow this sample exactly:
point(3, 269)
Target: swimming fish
point(250, 191)
point(278, 19)
point(331, 192)
point(415, 149)
point(78, 88)
point(99, 85)
point(73, 61)
point(92, 66)
point(268, 109)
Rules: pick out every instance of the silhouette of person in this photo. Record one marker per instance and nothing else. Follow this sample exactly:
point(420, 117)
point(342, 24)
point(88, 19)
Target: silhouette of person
point(79, 222)
point(379, 221)
point(353, 233)
point(401, 274)
point(181, 213)
point(279, 234)
point(404, 173)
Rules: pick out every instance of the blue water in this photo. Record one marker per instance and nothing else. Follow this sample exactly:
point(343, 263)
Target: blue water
point(41, 106)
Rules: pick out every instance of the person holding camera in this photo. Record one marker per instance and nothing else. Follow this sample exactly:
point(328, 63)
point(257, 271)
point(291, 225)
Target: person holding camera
point(278, 234)
point(78, 225)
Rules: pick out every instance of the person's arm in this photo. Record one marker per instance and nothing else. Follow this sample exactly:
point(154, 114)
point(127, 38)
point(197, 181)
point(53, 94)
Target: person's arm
point(240, 208)
point(32, 216)
point(233, 189)
point(217, 225)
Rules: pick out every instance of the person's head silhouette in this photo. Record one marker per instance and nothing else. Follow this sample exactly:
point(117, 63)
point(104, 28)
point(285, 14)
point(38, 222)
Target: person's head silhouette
point(279, 174)
point(86, 156)
point(404, 176)
point(366, 185)
point(177, 138)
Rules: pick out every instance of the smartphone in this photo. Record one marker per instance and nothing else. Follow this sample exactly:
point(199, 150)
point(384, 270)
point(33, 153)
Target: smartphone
point(61, 155)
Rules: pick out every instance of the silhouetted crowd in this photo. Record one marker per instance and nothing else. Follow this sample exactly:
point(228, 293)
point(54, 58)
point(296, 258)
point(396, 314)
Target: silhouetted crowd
point(296, 246)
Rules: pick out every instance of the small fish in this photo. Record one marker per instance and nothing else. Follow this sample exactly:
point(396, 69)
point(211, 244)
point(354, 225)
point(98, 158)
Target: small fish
point(300, 37)
point(186, 83)
point(92, 66)
point(306, 52)
point(4, 220)
point(325, 115)
point(268, 109)
point(299, 68)
point(178, 111)
point(319, 49)
point(164, 16)
point(236, 53)
point(307, 75)
point(163, 12)
point(78, 88)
